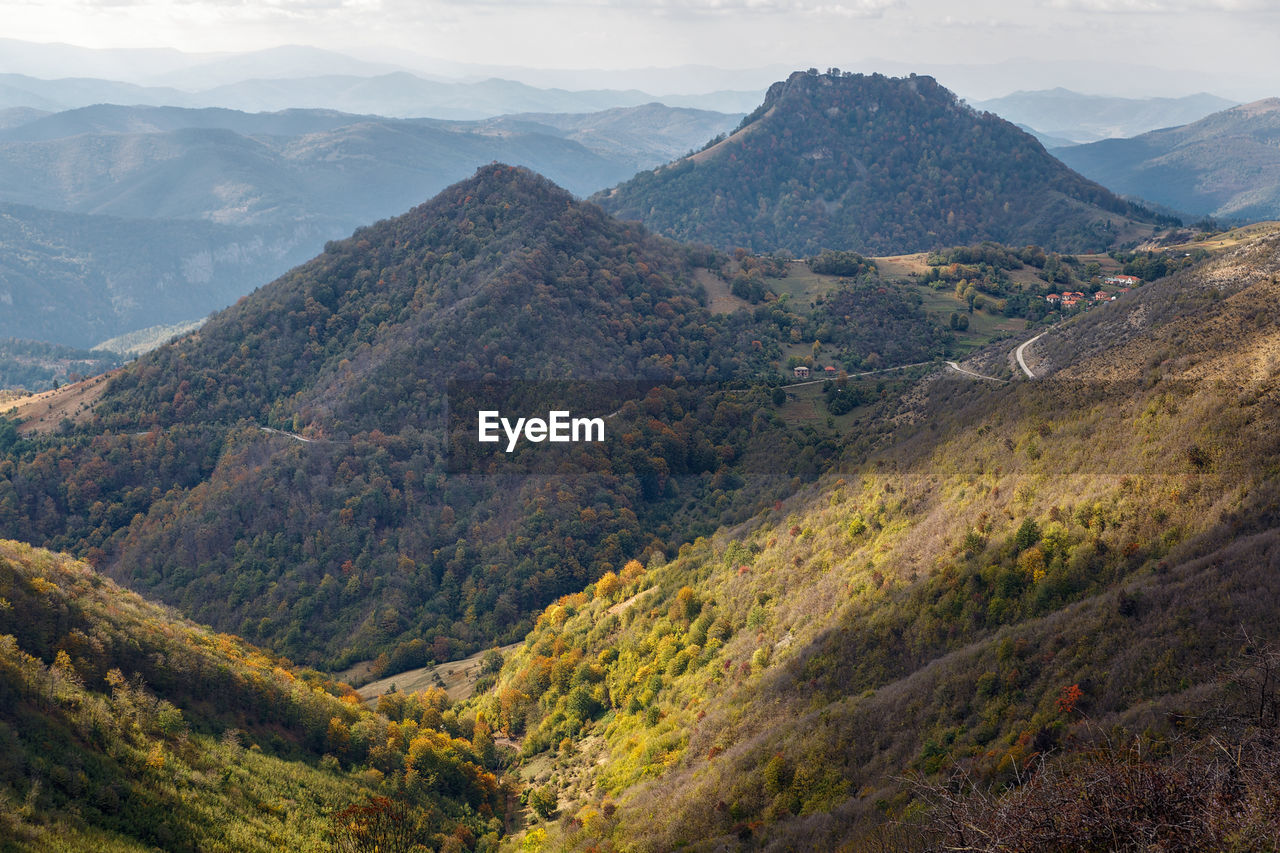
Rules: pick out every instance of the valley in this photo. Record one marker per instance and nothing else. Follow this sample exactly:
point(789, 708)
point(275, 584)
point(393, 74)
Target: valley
point(771, 652)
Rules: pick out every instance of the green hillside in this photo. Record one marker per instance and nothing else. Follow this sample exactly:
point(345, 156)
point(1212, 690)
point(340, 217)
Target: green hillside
point(877, 165)
point(127, 728)
point(782, 615)
point(1079, 568)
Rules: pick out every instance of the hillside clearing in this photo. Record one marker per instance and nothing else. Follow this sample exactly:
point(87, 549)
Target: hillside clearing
point(44, 412)
point(459, 677)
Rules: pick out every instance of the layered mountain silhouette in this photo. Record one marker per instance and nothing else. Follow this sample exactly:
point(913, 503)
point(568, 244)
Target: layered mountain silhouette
point(77, 279)
point(137, 216)
point(873, 164)
point(1078, 118)
point(1225, 165)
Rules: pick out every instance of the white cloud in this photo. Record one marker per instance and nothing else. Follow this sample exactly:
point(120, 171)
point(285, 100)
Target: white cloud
point(839, 8)
point(1162, 7)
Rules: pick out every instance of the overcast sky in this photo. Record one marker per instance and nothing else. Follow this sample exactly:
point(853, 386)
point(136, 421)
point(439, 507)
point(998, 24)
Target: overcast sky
point(1233, 39)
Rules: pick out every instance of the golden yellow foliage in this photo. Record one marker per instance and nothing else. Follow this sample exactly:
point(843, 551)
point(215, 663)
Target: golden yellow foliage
point(608, 585)
point(632, 570)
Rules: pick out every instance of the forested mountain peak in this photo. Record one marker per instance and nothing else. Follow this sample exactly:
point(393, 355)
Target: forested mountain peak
point(502, 273)
point(291, 473)
point(805, 88)
point(874, 164)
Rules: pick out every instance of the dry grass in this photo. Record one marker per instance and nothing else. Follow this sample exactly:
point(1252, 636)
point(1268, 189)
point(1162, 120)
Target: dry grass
point(1226, 240)
point(12, 396)
point(733, 141)
point(44, 412)
point(459, 677)
point(902, 266)
point(719, 298)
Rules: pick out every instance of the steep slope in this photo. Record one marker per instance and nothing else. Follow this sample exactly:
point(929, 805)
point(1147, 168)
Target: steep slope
point(1025, 566)
point(876, 165)
point(375, 527)
point(1226, 165)
point(126, 728)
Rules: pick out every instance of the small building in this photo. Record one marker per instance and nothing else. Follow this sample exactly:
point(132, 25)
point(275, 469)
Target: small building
point(1054, 299)
point(1102, 296)
point(1121, 280)
point(802, 372)
point(829, 370)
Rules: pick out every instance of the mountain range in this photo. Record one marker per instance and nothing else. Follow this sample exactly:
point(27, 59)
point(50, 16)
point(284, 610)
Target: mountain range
point(137, 216)
point(872, 553)
point(873, 164)
point(75, 279)
point(963, 575)
point(1063, 114)
point(301, 165)
point(399, 94)
point(1226, 165)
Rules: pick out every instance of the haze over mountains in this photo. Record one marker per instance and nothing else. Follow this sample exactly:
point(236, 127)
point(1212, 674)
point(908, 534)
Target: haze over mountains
point(310, 79)
point(1063, 114)
point(76, 279)
point(237, 168)
point(982, 80)
point(306, 175)
point(303, 176)
point(159, 215)
point(1226, 165)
